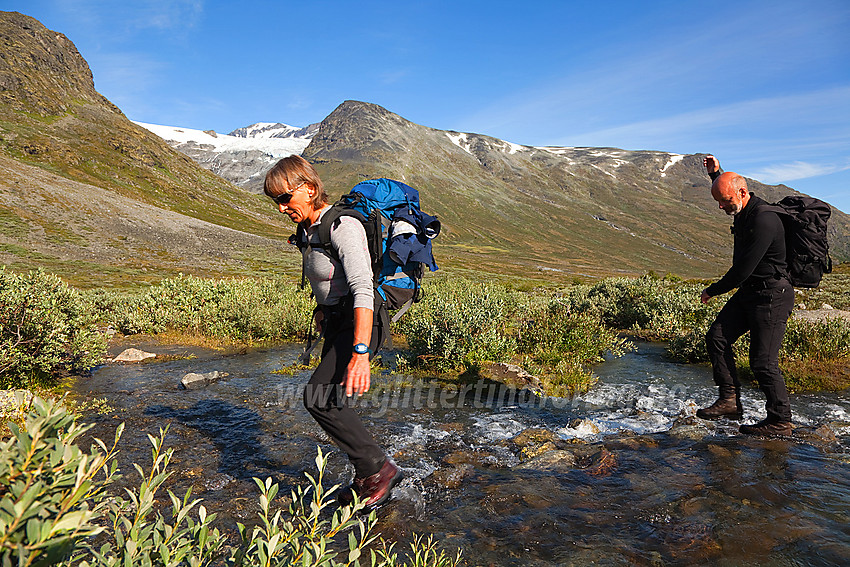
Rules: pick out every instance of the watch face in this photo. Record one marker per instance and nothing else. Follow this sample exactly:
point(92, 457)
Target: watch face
point(361, 348)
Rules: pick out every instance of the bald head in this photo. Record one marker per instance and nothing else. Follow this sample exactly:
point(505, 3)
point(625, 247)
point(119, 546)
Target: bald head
point(731, 193)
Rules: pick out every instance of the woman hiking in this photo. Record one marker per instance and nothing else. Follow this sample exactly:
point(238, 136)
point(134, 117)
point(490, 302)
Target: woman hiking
point(342, 284)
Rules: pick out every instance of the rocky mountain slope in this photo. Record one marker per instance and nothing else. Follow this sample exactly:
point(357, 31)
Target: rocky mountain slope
point(87, 193)
point(536, 211)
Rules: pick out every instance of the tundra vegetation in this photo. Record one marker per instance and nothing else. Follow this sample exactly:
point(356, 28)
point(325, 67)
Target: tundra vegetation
point(48, 329)
point(56, 508)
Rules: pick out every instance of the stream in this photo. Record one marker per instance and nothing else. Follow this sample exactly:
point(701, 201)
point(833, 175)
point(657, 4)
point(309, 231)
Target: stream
point(622, 475)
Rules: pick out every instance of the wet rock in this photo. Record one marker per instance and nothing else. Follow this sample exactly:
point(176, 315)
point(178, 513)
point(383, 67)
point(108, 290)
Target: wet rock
point(584, 427)
point(453, 477)
point(719, 452)
point(600, 463)
point(193, 380)
point(689, 428)
point(512, 375)
point(475, 457)
point(556, 460)
point(635, 443)
point(534, 436)
point(133, 355)
point(453, 427)
point(532, 451)
point(820, 435)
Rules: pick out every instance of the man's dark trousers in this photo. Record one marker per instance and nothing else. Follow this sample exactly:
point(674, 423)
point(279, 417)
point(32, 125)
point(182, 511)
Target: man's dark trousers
point(763, 310)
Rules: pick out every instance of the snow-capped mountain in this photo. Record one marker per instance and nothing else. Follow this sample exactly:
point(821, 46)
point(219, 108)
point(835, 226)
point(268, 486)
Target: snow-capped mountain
point(275, 130)
point(242, 157)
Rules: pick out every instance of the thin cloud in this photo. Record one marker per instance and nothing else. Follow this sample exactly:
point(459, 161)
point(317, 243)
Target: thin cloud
point(783, 172)
point(734, 118)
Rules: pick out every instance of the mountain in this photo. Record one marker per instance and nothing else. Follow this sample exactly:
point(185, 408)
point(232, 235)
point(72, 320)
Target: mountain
point(538, 211)
point(88, 194)
point(244, 156)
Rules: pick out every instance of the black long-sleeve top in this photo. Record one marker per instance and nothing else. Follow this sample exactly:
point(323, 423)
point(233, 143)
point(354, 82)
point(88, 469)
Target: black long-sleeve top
point(759, 250)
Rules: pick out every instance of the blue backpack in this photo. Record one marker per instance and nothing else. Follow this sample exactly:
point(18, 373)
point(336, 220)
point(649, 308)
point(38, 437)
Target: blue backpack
point(399, 235)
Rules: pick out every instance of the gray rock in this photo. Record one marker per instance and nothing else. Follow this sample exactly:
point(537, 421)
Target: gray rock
point(556, 460)
point(194, 381)
point(133, 355)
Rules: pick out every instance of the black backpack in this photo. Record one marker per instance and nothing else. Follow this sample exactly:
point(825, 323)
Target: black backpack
point(807, 249)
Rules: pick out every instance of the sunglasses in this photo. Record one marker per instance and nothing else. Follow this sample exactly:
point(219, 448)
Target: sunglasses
point(284, 198)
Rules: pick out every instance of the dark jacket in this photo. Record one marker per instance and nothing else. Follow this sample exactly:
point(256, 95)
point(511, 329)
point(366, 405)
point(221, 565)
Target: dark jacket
point(759, 253)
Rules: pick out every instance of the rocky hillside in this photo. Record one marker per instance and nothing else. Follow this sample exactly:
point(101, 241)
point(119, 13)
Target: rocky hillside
point(87, 193)
point(533, 210)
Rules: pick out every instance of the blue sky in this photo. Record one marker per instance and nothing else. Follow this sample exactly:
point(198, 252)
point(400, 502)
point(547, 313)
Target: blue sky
point(763, 85)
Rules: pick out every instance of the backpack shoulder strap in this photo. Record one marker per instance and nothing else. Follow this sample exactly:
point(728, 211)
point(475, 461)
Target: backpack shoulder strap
point(330, 220)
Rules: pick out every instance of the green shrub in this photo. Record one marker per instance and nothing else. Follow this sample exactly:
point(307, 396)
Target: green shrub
point(52, 492)
point(460, 323)
point(232, 309)
point(55, 501)
point(825, 339)
point(45, 328)
point(650, 306)
point(561, 345)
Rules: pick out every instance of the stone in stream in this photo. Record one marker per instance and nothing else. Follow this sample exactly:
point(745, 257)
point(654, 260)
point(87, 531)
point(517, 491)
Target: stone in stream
point(556, 460)
point(452, 477)
point(194, 381)
point(133, 355)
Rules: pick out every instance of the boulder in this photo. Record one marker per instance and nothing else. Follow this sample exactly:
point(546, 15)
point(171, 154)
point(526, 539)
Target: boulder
point(193, 380)
point(133, 355)
point(556, 460)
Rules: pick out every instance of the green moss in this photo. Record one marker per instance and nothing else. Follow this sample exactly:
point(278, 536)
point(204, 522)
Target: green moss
point(11, 224)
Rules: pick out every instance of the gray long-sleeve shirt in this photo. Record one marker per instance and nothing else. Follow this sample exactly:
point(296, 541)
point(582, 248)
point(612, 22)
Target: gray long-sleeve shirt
point(332, 279)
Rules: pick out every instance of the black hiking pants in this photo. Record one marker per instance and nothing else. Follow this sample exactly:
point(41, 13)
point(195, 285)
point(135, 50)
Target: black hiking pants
point(324, 394)
point(763, 311)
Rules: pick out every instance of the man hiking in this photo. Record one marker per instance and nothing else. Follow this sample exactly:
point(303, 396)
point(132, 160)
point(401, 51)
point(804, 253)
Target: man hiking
point(761, 305)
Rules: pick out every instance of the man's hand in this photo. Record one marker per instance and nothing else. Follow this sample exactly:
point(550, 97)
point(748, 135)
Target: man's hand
point(705, 298)
point(358, 375)
point(711, 163)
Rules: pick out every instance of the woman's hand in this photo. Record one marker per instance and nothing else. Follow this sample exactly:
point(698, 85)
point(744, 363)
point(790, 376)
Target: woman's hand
point(358, 375)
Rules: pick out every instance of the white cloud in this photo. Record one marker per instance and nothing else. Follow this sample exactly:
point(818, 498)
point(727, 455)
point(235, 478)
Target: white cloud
point(784, 172)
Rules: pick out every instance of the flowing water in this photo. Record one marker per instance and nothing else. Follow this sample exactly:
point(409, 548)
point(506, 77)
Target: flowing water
point(623, 475)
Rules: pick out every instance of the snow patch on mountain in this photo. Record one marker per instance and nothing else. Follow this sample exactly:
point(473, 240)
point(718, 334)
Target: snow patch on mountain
point(276, 147)
point(460, 141)
point(674, 158)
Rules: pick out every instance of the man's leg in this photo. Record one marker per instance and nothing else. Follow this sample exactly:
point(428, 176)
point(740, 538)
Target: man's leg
point(729, 325)
point(769, 318)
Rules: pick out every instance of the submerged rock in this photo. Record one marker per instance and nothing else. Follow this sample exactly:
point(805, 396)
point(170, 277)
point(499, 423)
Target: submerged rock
point(133, 355)
point(452, 477)
point(193, 380)
point(556, 460)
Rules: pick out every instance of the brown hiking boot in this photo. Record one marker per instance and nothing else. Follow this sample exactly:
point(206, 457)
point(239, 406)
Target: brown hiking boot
point(768, 428)
point(723, 407)
point(373, 490)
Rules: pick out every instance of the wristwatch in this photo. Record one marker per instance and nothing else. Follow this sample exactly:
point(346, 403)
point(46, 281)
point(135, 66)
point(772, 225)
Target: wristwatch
point(362, 348)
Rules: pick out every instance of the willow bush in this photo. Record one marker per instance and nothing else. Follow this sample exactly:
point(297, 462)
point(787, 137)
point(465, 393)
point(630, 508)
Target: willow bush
point(56, 508)
point(461, 324)
point(229, 309)
point(45, 329)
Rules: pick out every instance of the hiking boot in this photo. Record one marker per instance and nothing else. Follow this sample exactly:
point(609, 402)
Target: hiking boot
point(768, 428)
point(373, 490)
point(723, 407)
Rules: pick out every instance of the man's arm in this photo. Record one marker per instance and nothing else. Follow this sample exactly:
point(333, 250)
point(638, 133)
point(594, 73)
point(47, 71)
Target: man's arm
point(712, 166)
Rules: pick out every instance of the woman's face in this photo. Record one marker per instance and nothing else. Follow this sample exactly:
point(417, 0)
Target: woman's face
point(296, 203)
